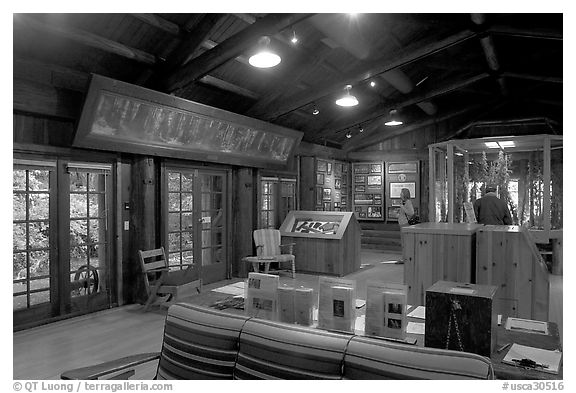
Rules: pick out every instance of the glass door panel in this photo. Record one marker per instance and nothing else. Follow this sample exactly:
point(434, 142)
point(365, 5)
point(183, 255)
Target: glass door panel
point(88, 263)
point(212, 221)
point(33, 246)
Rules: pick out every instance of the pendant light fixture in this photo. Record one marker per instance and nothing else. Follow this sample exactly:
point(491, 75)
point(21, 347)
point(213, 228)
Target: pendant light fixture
point(264, 58)
point(394, 120)
point(347, 99)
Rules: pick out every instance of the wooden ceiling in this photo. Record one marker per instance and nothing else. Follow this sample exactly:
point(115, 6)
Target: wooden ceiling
point(430, 67)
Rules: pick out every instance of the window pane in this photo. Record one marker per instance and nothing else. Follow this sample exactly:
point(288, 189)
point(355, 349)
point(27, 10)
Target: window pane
point(78, 231)
point(78, 205)
point(187, 181)
point(19, 302)
point(173, 201)
point(19, 206)
point(173, 181)
point(97, 256)
point(19, 237)
point(187, 221)
point(39, 298)
point(39, 263)
point(18, 265)
point(95, 227)
point(217, 183)
point(97, 205)
point(39, 205)
point(187, 257)
point(39, 180)
point(19, 179)
point(78, 258)
point(39, 234)
point(42, 283)
point(187, 241)
point(174, 258)
point(173, 222)
point(187, 201)
point(78, 181)
point(173, 241)
point(97, 181)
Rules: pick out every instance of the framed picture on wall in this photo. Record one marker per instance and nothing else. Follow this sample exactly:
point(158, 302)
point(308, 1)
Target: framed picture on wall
point(374, 180)
point(362, 214)
point(327, 194)
point(359, 179)
point(403, 167)
point(320, 179)
point(374, 212)
point(327, 206)
point(360, 188)
point(375, 168)
point(393, 212)
point(321, 166)
point(344, 180)
point(345, 168)
point(318, 195)
point(338, 169)
point(329, 168)
point(362, 169)
point(396, 188)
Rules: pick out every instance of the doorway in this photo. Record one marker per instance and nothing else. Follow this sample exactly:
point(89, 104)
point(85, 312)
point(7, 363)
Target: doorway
point(195, 231)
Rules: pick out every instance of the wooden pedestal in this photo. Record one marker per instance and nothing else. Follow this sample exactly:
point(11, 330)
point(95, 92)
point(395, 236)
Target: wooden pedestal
point(461, 317)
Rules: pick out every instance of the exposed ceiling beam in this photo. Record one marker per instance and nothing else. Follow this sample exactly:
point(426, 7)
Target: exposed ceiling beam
point(546, 34)
point(51, 74)
point(229, 49)
point(489, 50)
point(88, 39)
point(408, 55)
point(412, 100)
point(539, 78)
point(378, 138)
point(224, 85)
point(159, 22)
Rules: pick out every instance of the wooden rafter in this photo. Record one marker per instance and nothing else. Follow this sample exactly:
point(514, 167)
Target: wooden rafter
point(489, 50)
point(88, 39)
point(159, 23)
point(229, 49)
point(409, 55)
point(546, 34)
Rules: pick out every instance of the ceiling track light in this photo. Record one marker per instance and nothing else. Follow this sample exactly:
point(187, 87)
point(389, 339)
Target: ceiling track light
point(394, 121)
point(348, 135)
point(360, 129)
point(264, 58)
point(315, 111)
point(347, 99)
point(294, 39)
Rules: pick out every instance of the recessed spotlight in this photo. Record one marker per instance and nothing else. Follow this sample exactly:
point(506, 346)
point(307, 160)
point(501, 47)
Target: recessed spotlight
point(315, 111)
point(294, 39)
point(372, 84)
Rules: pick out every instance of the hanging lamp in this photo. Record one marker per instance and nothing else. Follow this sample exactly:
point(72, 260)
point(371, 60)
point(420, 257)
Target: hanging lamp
point(264, 58)
point(394, 120)
point(347, 99)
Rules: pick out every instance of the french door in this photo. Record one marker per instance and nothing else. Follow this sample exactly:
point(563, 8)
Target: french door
point(195, 229)
point(61, 239)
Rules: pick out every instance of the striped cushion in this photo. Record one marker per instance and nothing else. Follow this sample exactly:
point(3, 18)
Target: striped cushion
point(275, 350)
point(199, 343)
point(369, 358)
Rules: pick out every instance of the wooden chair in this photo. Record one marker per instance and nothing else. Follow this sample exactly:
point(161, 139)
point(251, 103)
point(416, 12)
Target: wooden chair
point(269, 249)
point(162, 285)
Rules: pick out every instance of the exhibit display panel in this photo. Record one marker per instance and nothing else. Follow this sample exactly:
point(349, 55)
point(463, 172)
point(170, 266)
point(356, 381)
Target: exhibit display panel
point(368, 190)
point(519, 166)
point(325, 242)
point(401, 175)
point(436, 251)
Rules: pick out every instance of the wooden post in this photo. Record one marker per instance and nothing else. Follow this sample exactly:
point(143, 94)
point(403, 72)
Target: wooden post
point(142, 225)
point(431, 185)
point(546, 187)
point(244, 222)
point(450, 156)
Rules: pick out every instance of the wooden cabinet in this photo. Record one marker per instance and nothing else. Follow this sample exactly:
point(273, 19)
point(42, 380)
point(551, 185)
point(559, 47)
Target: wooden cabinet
point(506, 256)
point(436, 251)
point(325, 242)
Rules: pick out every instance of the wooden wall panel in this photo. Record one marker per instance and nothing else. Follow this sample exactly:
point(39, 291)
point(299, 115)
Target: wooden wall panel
point(244, 188)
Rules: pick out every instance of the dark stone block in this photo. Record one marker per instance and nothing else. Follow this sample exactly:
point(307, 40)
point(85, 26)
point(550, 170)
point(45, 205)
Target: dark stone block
point(461, 317)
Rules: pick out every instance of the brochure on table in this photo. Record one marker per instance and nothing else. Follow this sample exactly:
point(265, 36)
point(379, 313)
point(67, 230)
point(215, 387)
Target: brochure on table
point(386, 306)
point(295, 305)
point(262, 296)
point(337, 304)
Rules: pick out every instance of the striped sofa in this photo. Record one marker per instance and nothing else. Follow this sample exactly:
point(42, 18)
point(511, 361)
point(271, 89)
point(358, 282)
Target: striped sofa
point(203, 343)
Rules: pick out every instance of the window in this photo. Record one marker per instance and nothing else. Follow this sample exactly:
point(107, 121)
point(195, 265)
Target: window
point(180, 219)
point(33, 234)
point(277, 198)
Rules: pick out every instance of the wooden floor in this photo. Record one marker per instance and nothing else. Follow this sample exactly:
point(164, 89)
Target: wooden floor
point(46, 351)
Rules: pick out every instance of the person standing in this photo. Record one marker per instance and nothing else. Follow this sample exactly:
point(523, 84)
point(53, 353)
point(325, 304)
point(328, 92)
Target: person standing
point(491, 210)
point(406, 208)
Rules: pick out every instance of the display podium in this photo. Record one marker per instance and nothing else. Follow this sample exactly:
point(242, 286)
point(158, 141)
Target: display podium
point(507, 257)
point(435, 251)
point(325, 242)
